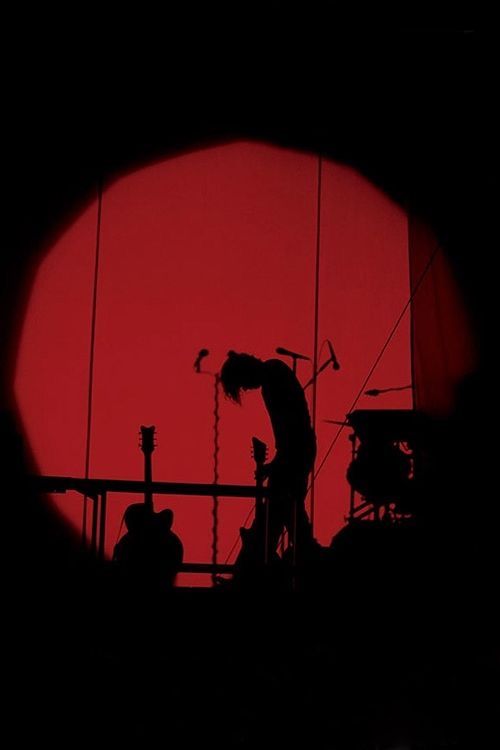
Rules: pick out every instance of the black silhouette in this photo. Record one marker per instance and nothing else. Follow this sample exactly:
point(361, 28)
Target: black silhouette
point(150, 552)
point(381, 471)
point(295, 453)
point(369, 669)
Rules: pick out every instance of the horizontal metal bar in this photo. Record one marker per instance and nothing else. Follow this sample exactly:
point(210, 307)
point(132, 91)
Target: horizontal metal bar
point(92, 487)
point(206, 568)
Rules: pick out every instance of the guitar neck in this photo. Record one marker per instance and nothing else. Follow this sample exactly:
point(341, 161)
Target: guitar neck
point(147, 447)
point(148, 478)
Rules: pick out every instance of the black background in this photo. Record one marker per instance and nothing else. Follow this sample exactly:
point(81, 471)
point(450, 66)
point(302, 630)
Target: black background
point(410, 108)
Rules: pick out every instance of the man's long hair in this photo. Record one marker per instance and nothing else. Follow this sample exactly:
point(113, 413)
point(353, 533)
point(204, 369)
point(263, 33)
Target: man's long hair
point(233, 373)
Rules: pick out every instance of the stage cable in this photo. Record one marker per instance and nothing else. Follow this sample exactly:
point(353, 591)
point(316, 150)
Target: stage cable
point(215, 505)
point(379, 357)
point(92, 353)
point(316, 325)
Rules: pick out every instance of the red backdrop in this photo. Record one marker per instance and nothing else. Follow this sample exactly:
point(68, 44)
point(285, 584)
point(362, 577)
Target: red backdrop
point(213, 249)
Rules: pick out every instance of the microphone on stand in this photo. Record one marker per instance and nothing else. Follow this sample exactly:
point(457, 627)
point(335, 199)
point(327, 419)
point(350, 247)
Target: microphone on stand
point(334, 359)
point(378, 391)
point(201, 354)
point(288, 353)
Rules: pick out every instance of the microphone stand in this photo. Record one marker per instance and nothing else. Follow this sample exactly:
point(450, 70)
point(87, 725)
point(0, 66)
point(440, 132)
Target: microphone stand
point(294, 358)
point(378, 391)
point(216, 428)
point(315, 376)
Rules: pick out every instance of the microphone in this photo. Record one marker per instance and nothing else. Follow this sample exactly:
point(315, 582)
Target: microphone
point(197, 363)
point(378, 391)
point(334, 359)
point(288, 353)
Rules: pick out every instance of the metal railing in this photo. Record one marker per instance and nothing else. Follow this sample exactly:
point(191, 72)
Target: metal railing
point(98, 490)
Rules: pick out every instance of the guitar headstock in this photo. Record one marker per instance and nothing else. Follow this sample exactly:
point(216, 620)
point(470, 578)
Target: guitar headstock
point(259, 451)
point(148, 443)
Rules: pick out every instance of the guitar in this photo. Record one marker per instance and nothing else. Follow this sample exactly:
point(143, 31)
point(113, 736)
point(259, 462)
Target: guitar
point(166, 547)
point(149, 552)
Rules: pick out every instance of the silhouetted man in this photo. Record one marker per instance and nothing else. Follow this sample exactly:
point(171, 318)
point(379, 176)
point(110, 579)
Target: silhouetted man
point(295, 444)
